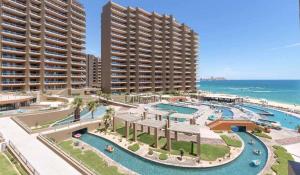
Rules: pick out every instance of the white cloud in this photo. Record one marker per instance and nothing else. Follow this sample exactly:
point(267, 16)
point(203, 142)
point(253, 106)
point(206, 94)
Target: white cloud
point(287, 46)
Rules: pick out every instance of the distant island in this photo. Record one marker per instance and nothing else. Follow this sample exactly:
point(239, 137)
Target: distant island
point(213, 78)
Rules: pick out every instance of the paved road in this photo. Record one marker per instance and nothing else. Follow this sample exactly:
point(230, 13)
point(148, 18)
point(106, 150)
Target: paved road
point(45, 161)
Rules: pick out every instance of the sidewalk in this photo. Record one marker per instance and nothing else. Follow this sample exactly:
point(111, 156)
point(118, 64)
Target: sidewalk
point(40, 156)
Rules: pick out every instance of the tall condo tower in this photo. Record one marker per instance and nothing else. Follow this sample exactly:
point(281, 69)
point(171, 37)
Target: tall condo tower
point(42, 45)
point(143, 52)
point(93, 69)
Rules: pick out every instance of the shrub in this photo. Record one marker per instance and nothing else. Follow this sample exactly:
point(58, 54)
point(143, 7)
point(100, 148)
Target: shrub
point(150, 152)
point(134, 147)
point(163, 156)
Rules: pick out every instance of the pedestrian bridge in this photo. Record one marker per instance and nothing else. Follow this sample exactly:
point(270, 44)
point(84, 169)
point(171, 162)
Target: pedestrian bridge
point(228, 125)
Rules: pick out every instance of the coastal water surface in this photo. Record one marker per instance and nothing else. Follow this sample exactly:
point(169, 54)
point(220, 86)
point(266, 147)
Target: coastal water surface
point(284, 91)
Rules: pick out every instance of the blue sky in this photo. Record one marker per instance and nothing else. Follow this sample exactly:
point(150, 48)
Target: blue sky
point(239, 39)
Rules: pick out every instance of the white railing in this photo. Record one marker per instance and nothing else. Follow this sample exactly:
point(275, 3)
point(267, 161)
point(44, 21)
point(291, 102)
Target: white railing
point(23, 159)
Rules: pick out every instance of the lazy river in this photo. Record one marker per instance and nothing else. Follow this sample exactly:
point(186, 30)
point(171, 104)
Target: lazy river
point(241, 165)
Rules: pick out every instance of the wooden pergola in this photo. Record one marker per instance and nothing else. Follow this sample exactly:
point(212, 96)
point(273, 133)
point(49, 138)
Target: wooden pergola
point(142, 98)
point(149, 123)
point(128, 118)
point(184, 128)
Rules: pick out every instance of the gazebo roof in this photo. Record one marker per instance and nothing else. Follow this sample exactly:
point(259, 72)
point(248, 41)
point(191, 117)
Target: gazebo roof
point(185, 128)
point(128, 117)
point(152, 123)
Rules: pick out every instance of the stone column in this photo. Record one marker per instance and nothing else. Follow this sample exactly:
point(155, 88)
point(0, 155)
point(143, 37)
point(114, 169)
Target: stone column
point(126, 129)
point(149, 130)
point(156, 137)
point(198, 146)
point(134, 132)
point(114, 124)
point(160, 117)
point(176, 135)
point(169, 146)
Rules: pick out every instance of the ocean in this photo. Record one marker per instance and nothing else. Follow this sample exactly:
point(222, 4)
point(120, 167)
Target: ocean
point(284, 91)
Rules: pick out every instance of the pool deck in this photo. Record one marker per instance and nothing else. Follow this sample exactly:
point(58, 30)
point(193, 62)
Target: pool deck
point(45, 161)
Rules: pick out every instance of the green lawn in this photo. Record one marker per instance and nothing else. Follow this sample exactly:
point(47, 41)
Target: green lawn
point(262, 134)
point(6, 168)
point(281, 165)
point(209, 152)
point(231, 142)
point(150, 140)
point(90, 159)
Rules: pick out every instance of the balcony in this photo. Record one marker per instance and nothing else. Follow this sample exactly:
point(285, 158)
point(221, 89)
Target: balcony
point(55, 68)
point(14, 10)
point(56, 6)
point(13, 26)
point(13, 50)
point(13, 66)
point(12, 83)
point(12, 74)
point(55, 61)
point(47, 75)
point(13, 18)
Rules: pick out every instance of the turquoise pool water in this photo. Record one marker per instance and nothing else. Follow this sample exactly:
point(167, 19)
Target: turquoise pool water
point(240, 166)
point(286, 120)
point(227, 114)
point(176, 108)
point(84, 115)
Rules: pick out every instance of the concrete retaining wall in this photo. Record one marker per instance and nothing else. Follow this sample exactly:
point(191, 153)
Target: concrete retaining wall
point(45, 117)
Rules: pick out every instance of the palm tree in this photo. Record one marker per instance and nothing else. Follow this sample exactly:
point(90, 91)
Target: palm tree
point(77, 104)
point(99, 94)
point(92, 106)
point(110, 112)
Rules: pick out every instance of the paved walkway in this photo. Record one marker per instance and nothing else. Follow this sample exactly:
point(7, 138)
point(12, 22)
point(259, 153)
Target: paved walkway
point(288, 141)
point(294, 150)
point(40, 156)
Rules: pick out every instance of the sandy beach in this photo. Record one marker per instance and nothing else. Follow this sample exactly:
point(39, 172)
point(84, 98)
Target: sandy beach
point(283, 106)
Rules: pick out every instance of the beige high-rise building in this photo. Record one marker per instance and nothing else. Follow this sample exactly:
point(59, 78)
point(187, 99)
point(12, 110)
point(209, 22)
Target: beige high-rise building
point(93, 69)
point(144, 51)
point(42, 45)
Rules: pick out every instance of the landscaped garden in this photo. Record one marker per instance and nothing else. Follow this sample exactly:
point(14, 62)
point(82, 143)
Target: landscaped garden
point(230, 141)
point(209, 152)
point(90, 159)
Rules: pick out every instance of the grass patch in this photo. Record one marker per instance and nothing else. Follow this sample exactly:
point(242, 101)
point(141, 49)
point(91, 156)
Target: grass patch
point(231, 141)
point(6, 167)
point(262, 134)
point(91, 159)
point(150, 140)
point(134, 147)
point(121, 131)
point(163, 156)
point(281, 165)
point(209, 152)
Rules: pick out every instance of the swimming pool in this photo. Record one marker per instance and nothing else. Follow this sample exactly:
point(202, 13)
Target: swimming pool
point(286, 120)
point(227, 114)
point(176, 108)
point(240, 165)
point(84, 115)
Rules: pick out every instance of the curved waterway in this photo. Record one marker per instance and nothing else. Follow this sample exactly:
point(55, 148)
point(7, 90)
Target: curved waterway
point(286, 120)
point(241, 165)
